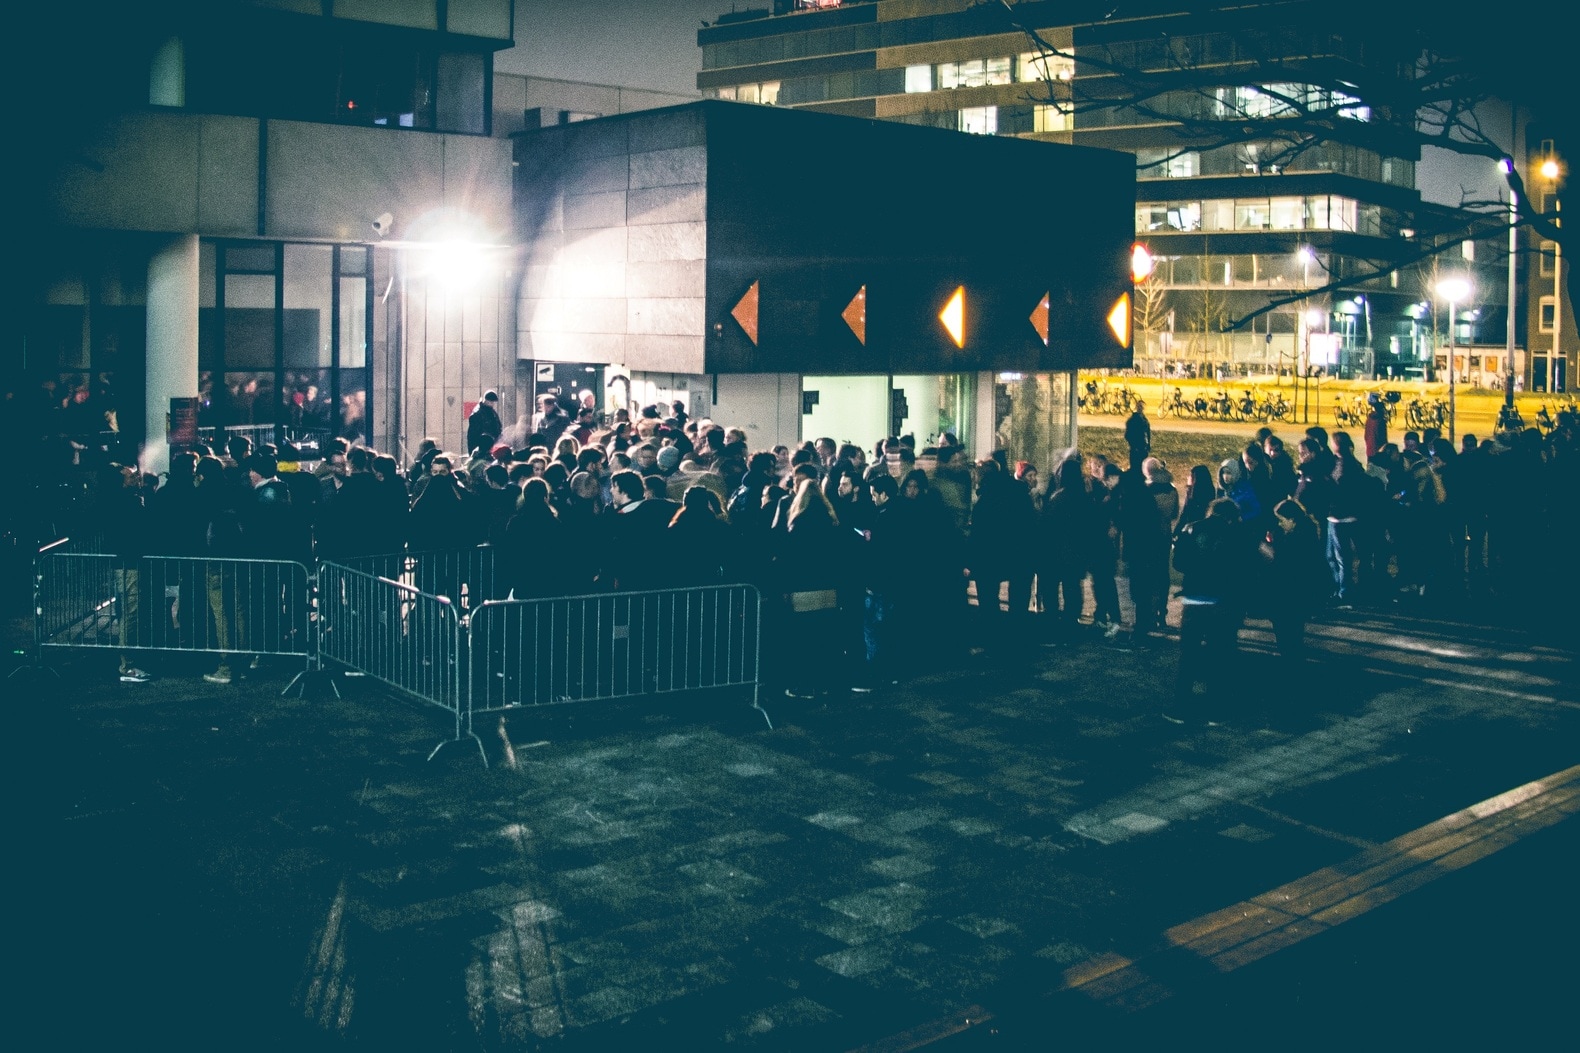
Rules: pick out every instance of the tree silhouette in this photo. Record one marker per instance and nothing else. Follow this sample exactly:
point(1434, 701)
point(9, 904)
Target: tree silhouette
point(1390, 78)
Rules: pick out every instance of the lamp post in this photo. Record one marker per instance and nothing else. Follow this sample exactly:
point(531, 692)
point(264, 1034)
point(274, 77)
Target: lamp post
point(1551, 171)
point(1141, 266)
point(1455, 290)
point(1505, 166)
point(1305, 256)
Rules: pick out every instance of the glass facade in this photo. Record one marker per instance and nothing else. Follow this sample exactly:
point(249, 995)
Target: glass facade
point(377, 75)
point(1317, 212)
point(283, 341)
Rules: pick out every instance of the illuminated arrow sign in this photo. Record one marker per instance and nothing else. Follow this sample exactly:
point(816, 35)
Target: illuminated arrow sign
point(855, 315)
point(954, 316)
point(1039, 319)
point(745, 312)
point(1119, 319)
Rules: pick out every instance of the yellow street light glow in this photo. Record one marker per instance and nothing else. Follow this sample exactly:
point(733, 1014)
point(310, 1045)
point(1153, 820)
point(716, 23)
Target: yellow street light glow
point(1550, 168)
point(954, 316)
point(1119, 319)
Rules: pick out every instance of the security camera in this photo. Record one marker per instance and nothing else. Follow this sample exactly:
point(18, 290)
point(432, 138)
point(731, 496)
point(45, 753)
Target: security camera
point(384, 224)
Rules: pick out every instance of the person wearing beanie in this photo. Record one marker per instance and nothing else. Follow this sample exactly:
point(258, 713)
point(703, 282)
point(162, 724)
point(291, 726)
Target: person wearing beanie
point(483, 427)
point(668, 460)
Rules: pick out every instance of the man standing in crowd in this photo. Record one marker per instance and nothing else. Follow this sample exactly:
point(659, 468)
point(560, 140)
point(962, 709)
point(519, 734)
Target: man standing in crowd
point(1138, 436)
point(484, 425)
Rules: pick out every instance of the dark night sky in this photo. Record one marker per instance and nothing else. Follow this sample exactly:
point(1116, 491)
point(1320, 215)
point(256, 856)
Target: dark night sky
point(630, 43)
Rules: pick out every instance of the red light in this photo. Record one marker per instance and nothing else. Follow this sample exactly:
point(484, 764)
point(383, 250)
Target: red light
point(351, 104)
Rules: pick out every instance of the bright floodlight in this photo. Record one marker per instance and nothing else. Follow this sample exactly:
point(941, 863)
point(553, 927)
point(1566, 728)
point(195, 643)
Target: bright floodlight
point(1140, 264)
point(1454, 290)
point(457, 264)
point(1550, 168)
point(1305, 255)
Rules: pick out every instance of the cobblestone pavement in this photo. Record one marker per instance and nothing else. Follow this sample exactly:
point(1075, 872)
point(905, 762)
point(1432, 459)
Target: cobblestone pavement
point(227, 867)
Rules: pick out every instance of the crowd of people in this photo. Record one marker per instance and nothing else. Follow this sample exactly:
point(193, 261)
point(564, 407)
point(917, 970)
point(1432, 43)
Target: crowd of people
point(875, 562)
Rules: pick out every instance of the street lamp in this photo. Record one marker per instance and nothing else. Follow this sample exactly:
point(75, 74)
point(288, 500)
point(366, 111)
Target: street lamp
point(1455, 290)
point(1308, 322)
point(1552, 171)
point(1506, 166)
point(1141, 267)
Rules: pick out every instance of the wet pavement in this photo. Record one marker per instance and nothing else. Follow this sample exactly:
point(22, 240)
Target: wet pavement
point(1012, 850)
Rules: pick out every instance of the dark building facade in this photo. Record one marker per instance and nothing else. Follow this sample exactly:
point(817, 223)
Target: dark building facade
point(750, 256)
point(1232, 225)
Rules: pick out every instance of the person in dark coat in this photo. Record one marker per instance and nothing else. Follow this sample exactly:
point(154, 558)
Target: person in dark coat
point(634, 552)
point(999, 549)
point(484, 426)
point(352, 521)
point(1147, 548)
point(700, 546)
point(1214, 557)
point(815, 574)
point(1138, 436)
point(532, 549)
point(127, 537)
point(1294, 579)
point(1199, 493)
point(1068, 530)
point(1281, 467)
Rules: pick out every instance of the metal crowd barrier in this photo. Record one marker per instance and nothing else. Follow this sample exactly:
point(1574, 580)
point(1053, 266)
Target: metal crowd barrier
point(397, 634)
point(497, 655)
point(171, 603)
point(467, 575)
point(567, 649)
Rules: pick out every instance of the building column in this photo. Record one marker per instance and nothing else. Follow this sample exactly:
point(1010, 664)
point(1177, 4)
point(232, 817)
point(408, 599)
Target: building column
point(172, 359)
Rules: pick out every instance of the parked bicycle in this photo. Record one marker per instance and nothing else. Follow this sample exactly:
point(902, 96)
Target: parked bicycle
point(1421, 414)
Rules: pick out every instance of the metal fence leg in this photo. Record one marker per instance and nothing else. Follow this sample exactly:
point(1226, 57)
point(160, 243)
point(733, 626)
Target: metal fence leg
point(757, 705)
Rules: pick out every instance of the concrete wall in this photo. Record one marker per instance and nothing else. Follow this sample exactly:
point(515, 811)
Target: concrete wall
point(767, 406)
point(196, 174)
point(614, 224)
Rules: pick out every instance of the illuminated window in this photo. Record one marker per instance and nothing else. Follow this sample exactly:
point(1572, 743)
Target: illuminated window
point(973, 73)
point(1047, 118)
point(1217, 214)
point(1031, 66)
point(1547, 257)
point(1467, 249)
point(979, 120)
point(766, 93)
point(1168, 164)
point(918, 78)
point(1288, 213)
point(1251, 215)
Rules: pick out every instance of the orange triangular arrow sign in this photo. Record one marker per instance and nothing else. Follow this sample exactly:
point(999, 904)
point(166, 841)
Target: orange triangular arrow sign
point(855, 315)
point(1119, 319)
point(954, 316)
point(1039, 318)
point(745, 312)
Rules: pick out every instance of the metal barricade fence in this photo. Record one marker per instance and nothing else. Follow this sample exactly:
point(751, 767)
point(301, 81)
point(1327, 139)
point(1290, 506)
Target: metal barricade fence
point(614, 645)
point(171, 603)
point(466, 575)
point(397, 634)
